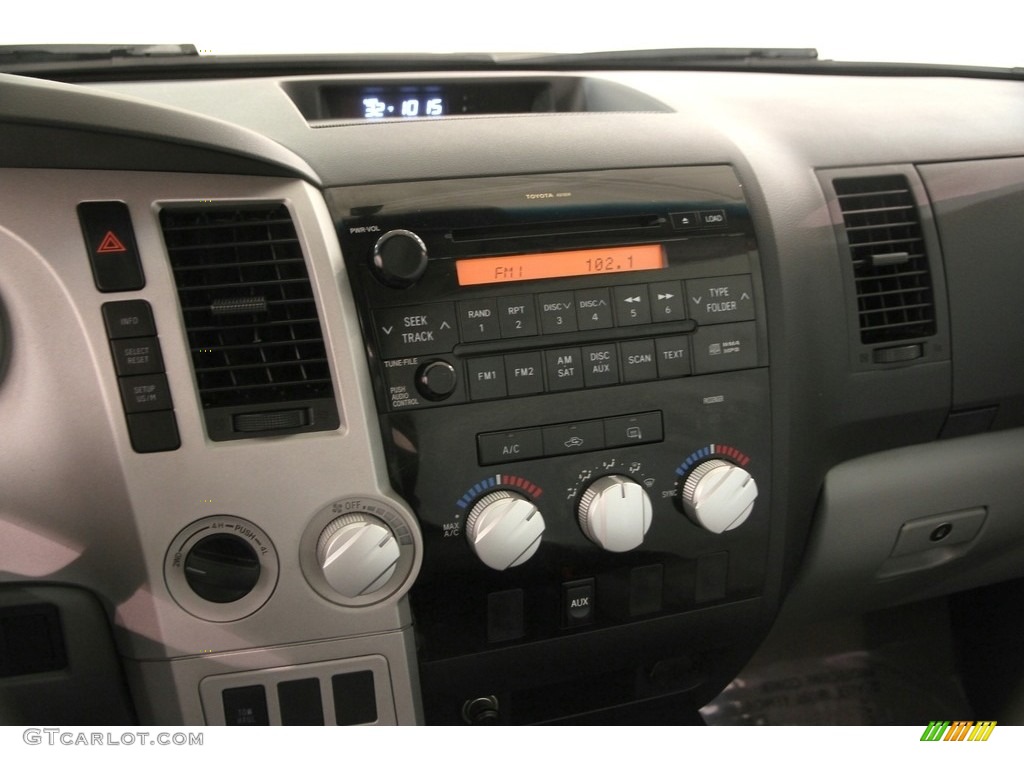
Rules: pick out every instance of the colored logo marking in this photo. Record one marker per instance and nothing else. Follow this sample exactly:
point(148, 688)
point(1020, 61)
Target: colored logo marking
point(958, 730)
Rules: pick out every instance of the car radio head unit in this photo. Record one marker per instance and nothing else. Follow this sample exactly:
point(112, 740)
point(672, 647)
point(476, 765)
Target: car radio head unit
point(571, 374)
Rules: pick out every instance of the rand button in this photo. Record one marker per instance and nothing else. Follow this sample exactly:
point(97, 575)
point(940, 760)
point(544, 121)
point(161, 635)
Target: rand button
point(478, 320)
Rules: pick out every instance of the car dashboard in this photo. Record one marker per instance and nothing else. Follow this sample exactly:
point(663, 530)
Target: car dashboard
point(542, 403)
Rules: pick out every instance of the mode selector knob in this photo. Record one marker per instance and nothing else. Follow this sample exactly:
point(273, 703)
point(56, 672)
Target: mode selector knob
point(358, 553)
point(718, 495)
point(504, 529)
point(615, 513)
point(399, 258)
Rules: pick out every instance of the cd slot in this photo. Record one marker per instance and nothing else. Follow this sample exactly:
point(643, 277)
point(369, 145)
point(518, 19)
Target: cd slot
point(547, 229)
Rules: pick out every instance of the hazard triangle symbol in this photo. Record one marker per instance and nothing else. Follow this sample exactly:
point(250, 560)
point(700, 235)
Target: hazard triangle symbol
point(111, 244)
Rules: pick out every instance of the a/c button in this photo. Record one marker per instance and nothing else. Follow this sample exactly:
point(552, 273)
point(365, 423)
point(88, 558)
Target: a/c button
point(500, 447)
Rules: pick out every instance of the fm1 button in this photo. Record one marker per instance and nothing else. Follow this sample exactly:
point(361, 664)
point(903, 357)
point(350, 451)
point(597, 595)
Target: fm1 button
point(578, 603)
point(436, 380)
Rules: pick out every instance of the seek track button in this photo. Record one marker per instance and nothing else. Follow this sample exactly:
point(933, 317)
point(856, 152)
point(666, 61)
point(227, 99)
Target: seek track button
point(427, 329)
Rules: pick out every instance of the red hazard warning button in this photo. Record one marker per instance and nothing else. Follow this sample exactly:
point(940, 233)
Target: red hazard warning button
point(110, 243)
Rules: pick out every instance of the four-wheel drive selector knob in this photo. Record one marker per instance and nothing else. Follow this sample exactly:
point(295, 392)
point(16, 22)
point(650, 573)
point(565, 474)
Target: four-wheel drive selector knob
point(615, 513)
point(718, 495)
point(357, 553)
point(504, 529)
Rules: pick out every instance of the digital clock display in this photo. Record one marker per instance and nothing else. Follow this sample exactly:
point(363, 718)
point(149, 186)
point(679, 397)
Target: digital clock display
point(399, 103)
point(537, 266)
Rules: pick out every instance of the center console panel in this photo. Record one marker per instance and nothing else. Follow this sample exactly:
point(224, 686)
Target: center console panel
point(571, 372)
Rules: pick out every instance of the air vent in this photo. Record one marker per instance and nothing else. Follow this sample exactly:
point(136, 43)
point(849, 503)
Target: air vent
point(253, 330)
point(890, 267)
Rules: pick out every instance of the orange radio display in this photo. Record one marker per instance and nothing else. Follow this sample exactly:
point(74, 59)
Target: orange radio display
point(537, 266)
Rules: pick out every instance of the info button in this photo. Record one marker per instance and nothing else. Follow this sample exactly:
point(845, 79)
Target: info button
point(500, 447)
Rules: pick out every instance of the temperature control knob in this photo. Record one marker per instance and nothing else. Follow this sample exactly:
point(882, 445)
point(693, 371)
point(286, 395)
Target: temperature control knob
point(615, 513)
point(358, 553)
point(718, 495)
point(399, 258)
point(504, 529)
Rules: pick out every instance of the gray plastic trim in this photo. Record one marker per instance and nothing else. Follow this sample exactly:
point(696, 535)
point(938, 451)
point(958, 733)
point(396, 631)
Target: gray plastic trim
point(850, 563)
point(80, 506)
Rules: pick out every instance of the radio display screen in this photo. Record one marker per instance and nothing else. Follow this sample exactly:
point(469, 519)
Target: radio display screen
point(538, 266)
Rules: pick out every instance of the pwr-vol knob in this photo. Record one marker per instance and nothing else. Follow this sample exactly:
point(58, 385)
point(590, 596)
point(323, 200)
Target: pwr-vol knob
point(718, 495)
point(358, 554)
point(504, 529)
point(615, 513)
point(399, 258)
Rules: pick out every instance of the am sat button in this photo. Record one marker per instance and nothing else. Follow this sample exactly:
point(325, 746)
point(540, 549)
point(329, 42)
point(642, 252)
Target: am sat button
point(499, 447)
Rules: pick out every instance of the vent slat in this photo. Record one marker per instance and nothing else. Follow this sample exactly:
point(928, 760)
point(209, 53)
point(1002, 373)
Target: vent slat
point(894, 293)
point(262, 263)
point(253, 330)
point(249, 285)
point(234, 244)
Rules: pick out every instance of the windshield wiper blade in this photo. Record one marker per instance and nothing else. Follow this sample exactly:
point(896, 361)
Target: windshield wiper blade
point(667, 57)
point(32, 54)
